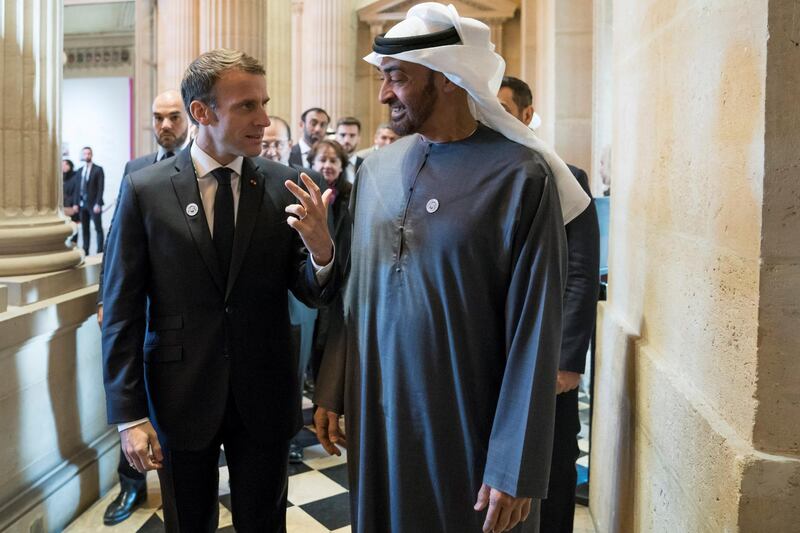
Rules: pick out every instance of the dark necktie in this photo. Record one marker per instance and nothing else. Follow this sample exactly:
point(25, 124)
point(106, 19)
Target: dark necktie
point(166, 155)
point(223, 219)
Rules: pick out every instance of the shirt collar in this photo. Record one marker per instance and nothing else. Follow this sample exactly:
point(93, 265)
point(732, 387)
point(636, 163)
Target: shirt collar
point(204, 164)
point(162, 151)
point(304, 147)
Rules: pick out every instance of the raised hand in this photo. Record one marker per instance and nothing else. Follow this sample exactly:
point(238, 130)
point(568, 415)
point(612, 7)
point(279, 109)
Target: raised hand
point(310, 219)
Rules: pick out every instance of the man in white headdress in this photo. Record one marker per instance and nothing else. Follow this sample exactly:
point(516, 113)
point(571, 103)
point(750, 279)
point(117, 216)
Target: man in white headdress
point(446, 373)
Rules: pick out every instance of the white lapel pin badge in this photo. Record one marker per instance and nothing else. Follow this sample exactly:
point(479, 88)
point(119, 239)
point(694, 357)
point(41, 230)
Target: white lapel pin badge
point(192, 209)
point(432, 205)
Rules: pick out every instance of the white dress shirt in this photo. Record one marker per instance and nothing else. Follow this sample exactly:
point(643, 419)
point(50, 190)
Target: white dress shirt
point(305, 148)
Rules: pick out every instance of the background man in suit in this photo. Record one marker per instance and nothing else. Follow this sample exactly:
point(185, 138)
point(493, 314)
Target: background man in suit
point(170, 127)
point(314, 123)
point(348, 134)
point(195, 333)
point(91, 199)
point(384, 135)
point(580, 309)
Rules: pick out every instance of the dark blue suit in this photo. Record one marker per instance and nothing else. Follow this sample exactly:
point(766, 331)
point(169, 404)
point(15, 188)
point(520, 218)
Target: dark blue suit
point(580, 309)
point(90, 194)
point(208, 360)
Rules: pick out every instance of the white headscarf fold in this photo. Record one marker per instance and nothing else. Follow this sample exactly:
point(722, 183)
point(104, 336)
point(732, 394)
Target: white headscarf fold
point(476, 68)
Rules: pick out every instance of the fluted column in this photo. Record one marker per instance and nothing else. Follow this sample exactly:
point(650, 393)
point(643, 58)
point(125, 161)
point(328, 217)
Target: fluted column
point(144, 76)
point(178, 40)
point(496, 27)
point(328, 62)
point(33, 230)
point(297, 62)
point(278, 59)
point(377, 112)
point(237, 24)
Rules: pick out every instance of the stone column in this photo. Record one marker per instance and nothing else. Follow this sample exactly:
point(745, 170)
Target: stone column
point(144, 77)
point(377, 111)
point(297, 65)
point(32, 228)
point(279, 58)
point(496, 27)
point(329, 28)
point(178, 41)
point(237, 24)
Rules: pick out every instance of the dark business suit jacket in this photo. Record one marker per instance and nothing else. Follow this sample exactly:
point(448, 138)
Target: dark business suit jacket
point(176, 338)
point(296, 158)
point(94, 187)
point(131, 166)
point(71, 186)
point(583, 281)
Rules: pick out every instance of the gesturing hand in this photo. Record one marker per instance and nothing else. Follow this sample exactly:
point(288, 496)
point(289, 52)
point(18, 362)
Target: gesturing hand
point(141, 447)
point(505, 511)
point(326, 425)
point(312, 219)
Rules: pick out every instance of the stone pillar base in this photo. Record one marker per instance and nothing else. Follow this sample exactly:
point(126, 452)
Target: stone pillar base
point(33, 246)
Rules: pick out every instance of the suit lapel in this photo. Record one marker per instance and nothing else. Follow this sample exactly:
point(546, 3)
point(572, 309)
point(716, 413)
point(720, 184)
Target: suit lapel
point(251, 191)
point(184, 182)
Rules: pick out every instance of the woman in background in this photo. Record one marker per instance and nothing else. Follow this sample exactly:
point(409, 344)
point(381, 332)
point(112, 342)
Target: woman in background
point(72, 189)
point(329, 159)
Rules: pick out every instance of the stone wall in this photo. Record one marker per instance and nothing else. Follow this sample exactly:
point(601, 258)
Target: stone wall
point(57, 453)
point(687, 375)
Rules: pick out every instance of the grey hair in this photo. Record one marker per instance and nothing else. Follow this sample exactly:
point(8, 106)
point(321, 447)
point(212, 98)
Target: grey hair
point(202, 74)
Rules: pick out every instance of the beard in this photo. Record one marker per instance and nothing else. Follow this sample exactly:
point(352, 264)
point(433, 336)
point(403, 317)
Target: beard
point(168, 141)
point(416, 111)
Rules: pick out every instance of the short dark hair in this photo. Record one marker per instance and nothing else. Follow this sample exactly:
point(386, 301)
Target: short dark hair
point(285, 125)
point(314, 110)
point(384, 126)
point(520, 91)
point(202, 74)
point(87, 148)
point(349, 121)
point(71, 165)
point(340, 153)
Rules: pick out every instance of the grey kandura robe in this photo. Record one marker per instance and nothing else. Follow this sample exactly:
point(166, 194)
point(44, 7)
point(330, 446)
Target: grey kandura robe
point(447, 365)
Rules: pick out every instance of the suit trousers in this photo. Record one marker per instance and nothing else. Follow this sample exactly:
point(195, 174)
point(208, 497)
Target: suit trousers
point(89, 216)
point(258, 480)
point(558, 510)
point(124, 469)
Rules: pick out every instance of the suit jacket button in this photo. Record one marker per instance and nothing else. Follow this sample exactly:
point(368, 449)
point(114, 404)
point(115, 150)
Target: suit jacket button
point(226, 355)
point(228, 310)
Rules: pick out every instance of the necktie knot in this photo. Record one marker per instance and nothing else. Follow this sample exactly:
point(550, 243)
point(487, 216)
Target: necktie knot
point(167, 155)
point(223, 175)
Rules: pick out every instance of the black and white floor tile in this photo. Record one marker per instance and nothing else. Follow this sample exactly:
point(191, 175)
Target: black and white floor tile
point(318, 500)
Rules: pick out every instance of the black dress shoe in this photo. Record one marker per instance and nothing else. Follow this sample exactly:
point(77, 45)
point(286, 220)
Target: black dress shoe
point(295, 453)
point(132, 494)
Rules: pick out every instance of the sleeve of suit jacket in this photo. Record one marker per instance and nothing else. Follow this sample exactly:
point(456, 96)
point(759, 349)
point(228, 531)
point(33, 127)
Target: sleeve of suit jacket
point(101, 184)
point(124, 305)
point(580, 296)
point(103, 260)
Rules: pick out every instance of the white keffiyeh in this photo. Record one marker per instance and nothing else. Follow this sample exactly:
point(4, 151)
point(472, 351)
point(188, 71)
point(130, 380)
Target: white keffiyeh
point(474, 66)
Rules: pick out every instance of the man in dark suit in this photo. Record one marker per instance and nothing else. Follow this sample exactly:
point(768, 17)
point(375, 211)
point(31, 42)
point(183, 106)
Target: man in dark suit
point(348, 134)
point(195, 332)
point(170, 127)
point(314, 123)
point(580, 309)
point(90, 194)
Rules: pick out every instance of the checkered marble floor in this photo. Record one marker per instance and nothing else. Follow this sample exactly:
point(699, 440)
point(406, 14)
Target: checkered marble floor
point(317, 493)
